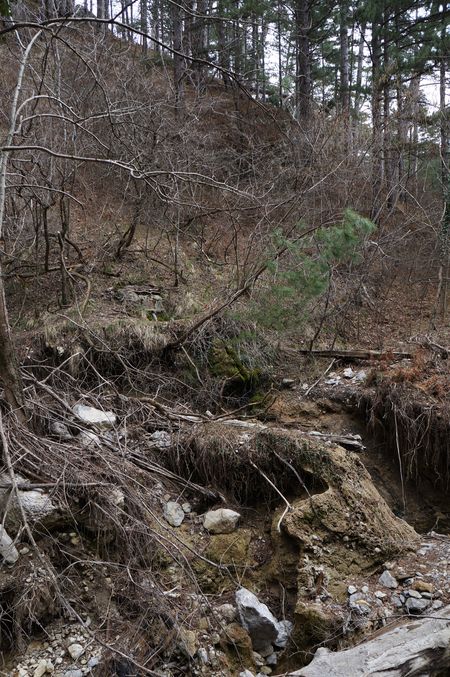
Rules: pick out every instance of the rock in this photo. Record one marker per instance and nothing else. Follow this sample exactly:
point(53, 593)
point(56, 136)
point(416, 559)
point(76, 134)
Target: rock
point(420, 645)
point(387, 580)
point(186, 508)
point(351, 589)
point(173, 513)
point(258, 659)
point(203, 655)
point(44, 666)
point(237, 645)
point(359, 603)
point(246, 673)
point(75, 650)
point(188, 642)
point(380, 595)
point(257, 619)
point(416, 606)
point(74, 673)
point(60, 430)
point(221, 521)
point(93, 416)
point(227, 612)
point(272, 660)
point(266, 650)
point(284, 632)
point(7, 548)
point(37, 504)
point(438, 604)
point(360, 376)
point(93, 662)
point(422, 586)
point(89, 439)
point(413, 593)
point(348, 373)
point(161, 439)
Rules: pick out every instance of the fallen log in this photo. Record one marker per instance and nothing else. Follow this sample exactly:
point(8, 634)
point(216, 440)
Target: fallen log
point(352, 355)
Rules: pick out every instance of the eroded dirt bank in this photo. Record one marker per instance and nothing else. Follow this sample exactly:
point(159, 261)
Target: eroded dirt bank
point(117, 569)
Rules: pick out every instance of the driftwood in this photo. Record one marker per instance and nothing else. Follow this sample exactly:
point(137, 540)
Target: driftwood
point(352, 442)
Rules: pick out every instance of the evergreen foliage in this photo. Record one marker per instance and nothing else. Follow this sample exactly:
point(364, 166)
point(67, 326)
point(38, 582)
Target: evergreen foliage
point(308, 272)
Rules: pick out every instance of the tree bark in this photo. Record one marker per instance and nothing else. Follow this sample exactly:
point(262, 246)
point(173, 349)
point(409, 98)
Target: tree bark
point(303, 61)
point(377, 126)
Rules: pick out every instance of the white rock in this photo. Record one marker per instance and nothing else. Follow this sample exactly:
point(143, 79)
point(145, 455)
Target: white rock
point(173, 513)
point(75, 650)
point(284, 632)
point(91, 415)
point(186, 507)
point(227, 612)
point(59, 429)
point(221, 521)
point(257, 619)
point(89, 439)
point(161, 439)
point(43, 667)
point(418, 644)
point(352, 589)
point(272, 660)
point(380, 595)
point(7, 548)
point(246, 673)
point(387, 580)
point(93, 662)
point(37, 504)
point(203, 655)
point(348, 373)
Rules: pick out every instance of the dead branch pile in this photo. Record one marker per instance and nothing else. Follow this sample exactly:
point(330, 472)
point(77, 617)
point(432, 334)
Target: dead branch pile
point(106, 493)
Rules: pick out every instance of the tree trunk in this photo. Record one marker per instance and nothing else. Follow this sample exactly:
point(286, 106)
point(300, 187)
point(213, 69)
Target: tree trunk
point(445, 173)
point(303, 61)
point(344, 71)
point(377, 127)
point(177, 39)
point(9, 368)
point(359, 72)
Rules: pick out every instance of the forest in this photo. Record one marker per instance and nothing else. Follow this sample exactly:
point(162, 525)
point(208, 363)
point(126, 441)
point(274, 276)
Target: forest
point(224, 338)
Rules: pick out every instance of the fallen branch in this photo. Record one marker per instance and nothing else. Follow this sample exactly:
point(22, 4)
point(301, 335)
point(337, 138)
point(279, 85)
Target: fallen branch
point(355, 354)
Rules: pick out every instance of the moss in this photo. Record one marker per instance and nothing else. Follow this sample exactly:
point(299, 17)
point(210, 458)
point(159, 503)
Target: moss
point(225, 549)
point(224, 362)
point(230, 548)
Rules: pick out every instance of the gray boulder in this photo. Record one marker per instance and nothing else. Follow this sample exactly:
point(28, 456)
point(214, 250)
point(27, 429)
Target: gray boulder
point(93, 416)
point(387, 580)
point(221, 521)
point(173, 513)
point(38, 506)
point(414, 647)
point(7, 548)
point(257, 619)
